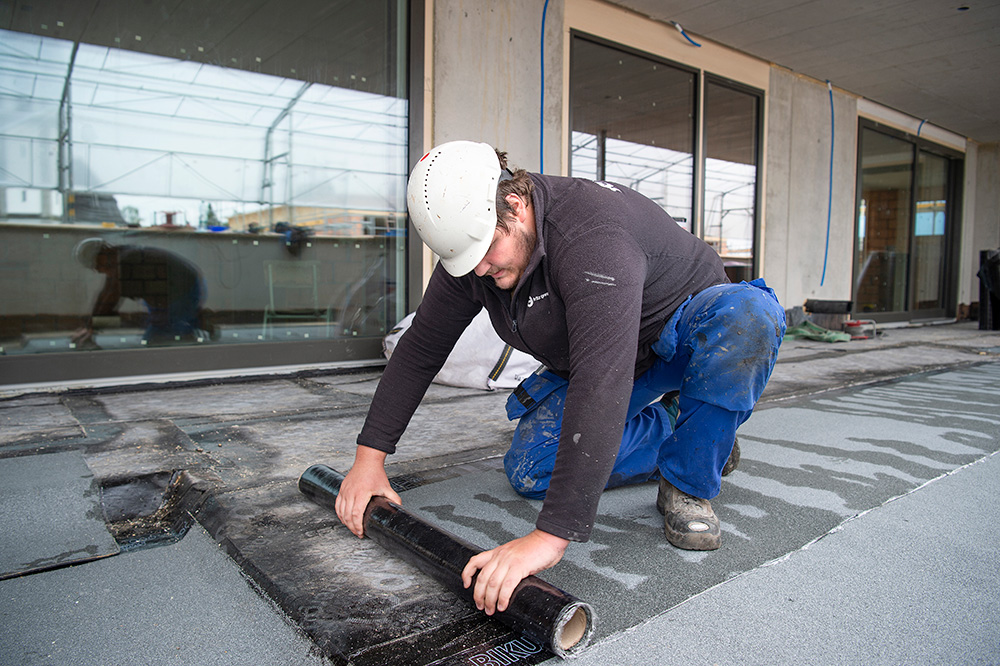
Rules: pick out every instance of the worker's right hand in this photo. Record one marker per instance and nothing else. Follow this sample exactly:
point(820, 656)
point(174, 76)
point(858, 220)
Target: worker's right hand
point(82, 335)
point(366, 479)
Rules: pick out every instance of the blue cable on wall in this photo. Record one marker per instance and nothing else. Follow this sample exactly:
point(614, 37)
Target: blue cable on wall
point(681, 30)
point(829, 196)
point(541, 110)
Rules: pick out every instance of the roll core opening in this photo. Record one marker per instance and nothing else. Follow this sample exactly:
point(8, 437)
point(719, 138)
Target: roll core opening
point(573, 630)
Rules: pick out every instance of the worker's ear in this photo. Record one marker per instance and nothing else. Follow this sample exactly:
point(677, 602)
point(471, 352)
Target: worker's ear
point(516, 203)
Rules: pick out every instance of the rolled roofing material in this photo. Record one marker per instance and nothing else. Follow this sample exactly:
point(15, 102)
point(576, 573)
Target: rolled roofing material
point(540, 611)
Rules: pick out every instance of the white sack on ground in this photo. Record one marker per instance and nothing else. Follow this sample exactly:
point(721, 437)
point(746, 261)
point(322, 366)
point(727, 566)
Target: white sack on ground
point(480, 359)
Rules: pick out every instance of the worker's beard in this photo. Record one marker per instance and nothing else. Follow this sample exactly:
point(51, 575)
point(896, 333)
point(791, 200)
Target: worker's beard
point(510, 275)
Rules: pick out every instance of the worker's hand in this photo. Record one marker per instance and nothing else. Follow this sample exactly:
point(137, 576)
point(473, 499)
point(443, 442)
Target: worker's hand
point(366, 479)
point(501, 569)
point(82, 335)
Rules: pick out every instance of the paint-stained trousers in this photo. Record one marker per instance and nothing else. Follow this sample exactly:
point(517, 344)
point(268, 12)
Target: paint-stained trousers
point(717, 350)
point(172, 315)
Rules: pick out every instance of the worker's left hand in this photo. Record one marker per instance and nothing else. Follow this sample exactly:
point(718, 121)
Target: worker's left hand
point(501, 569)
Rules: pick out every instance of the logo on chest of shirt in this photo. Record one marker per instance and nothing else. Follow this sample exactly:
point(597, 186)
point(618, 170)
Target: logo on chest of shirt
point(533, 299)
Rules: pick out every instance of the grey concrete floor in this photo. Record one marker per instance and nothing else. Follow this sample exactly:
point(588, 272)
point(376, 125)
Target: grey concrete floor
point(910, 582)
point(842, 430)
point(186, 603)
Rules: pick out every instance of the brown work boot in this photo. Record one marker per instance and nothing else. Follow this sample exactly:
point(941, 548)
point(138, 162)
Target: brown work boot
point(689, 522)
point(734, 459)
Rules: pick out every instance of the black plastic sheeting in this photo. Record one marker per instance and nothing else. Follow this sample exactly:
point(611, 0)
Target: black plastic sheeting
point(539, 611)
point(989, 290)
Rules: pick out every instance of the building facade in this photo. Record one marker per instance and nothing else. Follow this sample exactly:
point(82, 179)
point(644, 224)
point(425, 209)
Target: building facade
point(267, 150)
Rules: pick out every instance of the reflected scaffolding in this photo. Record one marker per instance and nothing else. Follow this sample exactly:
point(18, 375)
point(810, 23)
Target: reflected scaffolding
point(245, 176)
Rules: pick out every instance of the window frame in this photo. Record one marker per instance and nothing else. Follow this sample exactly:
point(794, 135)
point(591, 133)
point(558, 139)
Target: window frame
point(953, 213)
point(153, 364)
point(693, 216)
point(701, 79)
point(758, 96)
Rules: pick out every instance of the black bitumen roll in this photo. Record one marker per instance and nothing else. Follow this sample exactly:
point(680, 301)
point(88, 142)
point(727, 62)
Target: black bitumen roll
point(543, 612)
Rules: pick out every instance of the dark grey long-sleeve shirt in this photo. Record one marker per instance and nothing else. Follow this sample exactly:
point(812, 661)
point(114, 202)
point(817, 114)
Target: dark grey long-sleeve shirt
point(609, 269)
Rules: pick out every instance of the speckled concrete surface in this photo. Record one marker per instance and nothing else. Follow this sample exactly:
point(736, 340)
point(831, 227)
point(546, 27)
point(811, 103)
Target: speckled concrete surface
point(186, 603)
point(842, 428)
point(50, 514)
point(912, 581)
point(807, 466)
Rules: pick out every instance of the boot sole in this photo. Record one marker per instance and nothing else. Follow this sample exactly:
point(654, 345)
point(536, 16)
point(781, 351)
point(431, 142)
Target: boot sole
point(692, 540)
point(707, 540)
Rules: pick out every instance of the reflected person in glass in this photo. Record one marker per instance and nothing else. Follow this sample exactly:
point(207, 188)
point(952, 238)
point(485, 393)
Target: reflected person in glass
point(169, 286)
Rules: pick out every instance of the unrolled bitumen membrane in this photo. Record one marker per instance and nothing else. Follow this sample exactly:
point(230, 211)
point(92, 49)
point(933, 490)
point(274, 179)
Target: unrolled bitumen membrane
point(538, 610)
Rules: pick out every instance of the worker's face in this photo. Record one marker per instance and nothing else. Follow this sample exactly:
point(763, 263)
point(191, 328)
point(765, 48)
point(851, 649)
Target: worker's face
point(107, 261)
point(508, 256)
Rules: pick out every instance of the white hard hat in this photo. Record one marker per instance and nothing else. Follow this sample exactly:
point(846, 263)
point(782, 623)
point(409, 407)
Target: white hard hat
point(451, 197)
point(86, 251)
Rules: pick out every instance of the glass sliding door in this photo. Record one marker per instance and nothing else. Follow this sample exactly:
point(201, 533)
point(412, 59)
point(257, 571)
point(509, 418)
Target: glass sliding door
point(931, 226)
point(632, 123)
point(884, 219)
point(731, 120)
point(903, 228)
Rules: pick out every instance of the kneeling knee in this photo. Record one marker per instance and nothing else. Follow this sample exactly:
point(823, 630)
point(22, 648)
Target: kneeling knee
point(527, 486)
point(523, 475)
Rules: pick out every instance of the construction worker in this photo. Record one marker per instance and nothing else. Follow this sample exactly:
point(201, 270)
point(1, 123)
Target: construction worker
point(169, 286)
point(621, 306)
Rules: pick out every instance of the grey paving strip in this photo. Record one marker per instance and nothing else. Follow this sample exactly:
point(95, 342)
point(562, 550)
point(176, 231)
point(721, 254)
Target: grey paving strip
point(877, 440)
point(806, 370)
point(186, 603)
point(24, 422)
point(887, 586)
point(50, 514)
point(221, 400)
point(807, 467)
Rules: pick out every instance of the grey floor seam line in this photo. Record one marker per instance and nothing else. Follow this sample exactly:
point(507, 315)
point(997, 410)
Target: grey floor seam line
point(607, 640)
point(889, 379)
point(56, 567)
point(840, 526)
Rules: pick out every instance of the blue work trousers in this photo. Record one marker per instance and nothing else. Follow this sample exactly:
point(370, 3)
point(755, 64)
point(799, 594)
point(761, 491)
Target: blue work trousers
point(177, 316)
point(717, 350)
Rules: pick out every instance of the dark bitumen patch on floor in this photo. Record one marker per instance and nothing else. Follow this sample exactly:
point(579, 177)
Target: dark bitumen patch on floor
point(152, 510)
point(809, 464)
point(359, 605)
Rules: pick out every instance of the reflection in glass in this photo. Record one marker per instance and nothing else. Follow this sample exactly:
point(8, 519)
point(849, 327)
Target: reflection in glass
point(731, 177)
point(175, 154)
point(169, 288)
point(929, 239)
point(632, 123)
point(884, 223)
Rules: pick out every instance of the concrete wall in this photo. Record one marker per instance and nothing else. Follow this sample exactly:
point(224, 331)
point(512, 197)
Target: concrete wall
point(982, 214)
point(487, 74)
point(798, 190)
point(483, 78)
